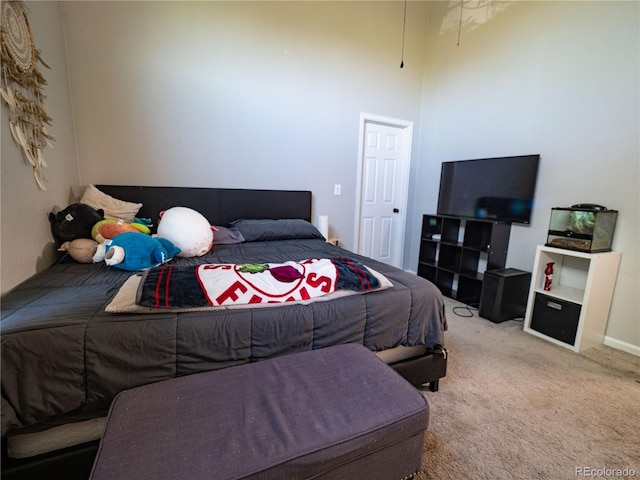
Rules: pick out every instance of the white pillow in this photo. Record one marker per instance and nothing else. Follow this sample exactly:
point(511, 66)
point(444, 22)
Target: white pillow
point(113, 208)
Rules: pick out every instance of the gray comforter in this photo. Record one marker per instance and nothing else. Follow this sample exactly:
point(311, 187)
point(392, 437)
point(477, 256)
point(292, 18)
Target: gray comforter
point(63, 355)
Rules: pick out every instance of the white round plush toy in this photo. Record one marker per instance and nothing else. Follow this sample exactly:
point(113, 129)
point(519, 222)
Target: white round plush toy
point(186, 229)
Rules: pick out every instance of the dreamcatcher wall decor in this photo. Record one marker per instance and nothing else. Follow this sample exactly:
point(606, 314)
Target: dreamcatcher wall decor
point(21, 87)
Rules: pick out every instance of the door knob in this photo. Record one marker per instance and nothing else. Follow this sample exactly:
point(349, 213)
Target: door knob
point(395, 210)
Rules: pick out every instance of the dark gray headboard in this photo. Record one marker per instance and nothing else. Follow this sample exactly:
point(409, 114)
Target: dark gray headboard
point(219, 205)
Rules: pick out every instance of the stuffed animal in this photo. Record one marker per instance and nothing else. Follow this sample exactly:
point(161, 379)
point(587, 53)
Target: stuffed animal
point(81, 249)
point(135, 251)
point(186, 229)
point(75, 221)
point(109, 228)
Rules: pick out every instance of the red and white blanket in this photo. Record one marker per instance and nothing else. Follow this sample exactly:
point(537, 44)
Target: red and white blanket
point(197, 287)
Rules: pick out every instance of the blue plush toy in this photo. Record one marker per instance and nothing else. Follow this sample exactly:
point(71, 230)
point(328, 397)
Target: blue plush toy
point(135, 251)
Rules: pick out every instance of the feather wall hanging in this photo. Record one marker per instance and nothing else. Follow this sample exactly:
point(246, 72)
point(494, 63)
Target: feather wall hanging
point(21, 87)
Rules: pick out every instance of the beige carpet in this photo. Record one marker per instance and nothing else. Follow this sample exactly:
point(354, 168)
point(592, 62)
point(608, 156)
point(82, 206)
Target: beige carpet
point(514, 406)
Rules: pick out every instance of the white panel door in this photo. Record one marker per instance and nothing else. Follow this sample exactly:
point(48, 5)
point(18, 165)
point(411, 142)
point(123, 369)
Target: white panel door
point(383, 191)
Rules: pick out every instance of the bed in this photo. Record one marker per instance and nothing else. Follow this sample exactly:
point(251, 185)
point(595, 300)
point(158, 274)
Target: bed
point(65, 355)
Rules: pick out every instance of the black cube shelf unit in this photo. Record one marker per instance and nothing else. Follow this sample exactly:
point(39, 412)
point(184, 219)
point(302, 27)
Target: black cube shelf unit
point(455, 252)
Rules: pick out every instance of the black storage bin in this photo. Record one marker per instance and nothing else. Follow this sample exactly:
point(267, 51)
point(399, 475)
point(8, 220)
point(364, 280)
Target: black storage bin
point(555, 318)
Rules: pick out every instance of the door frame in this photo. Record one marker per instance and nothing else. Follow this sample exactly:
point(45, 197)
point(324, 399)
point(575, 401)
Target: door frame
point(406, 127)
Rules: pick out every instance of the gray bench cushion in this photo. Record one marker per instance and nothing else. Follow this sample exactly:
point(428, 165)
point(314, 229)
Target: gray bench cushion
point(326, 413)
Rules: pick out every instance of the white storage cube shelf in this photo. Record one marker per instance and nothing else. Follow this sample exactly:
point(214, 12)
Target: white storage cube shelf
point(584, 279)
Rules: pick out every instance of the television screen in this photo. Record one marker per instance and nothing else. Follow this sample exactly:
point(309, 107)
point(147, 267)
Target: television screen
point(500, 189)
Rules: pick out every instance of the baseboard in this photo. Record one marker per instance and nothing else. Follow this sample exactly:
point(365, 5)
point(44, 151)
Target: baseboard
point(620, 345)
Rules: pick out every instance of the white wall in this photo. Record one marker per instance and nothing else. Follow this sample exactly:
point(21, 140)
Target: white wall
point(239, 94)
point(556, 78)
point(26, 245)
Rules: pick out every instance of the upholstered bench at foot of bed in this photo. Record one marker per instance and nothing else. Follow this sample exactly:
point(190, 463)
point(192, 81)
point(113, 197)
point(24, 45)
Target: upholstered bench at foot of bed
point(334, 413)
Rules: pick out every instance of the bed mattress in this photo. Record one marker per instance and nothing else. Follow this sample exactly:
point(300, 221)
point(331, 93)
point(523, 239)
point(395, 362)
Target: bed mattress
point(64, 355)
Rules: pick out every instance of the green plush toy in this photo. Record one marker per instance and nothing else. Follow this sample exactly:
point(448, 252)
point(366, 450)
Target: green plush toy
point(109, 228)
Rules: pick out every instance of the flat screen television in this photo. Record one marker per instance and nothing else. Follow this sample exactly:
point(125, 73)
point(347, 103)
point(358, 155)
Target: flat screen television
point(500, 189)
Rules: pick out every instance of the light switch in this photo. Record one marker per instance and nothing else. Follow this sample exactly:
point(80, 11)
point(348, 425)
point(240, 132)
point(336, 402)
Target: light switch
point(337, 189)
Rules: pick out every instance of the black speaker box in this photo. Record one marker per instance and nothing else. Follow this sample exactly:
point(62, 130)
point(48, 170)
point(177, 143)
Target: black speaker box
point(504, 294)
